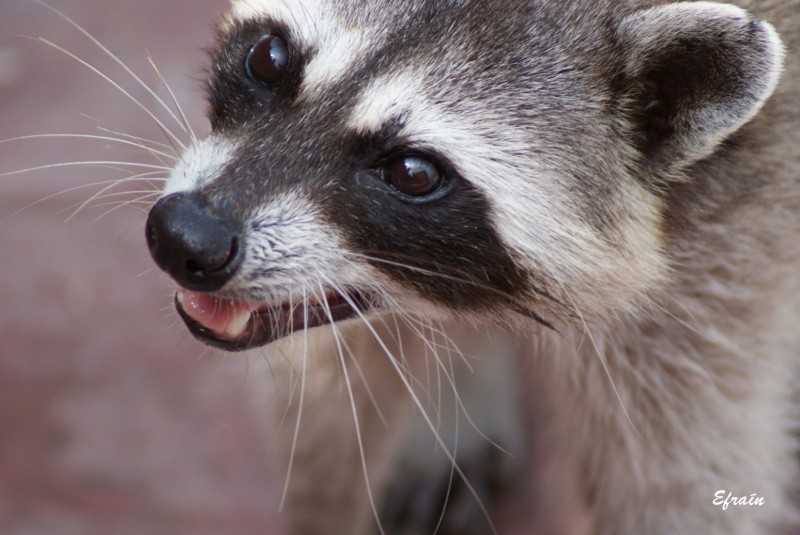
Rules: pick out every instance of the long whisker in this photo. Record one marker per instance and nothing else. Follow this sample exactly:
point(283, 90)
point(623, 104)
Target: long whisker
point(187, 127)
point(429, 347)
point(356, 421)
point(403, 361)
point(184, 121)
point(91, 199)
point(451, 347)
point(363, 377)
point(451, 478)
point(411, 321)
point(95, 163)
point(129, 143)
point(423, 271)
point(135, 178)
point(144, 194)
point(174, 140)
point(303, 373)
point(293, 381)
point(432, 347)
point(516, 304)
point(424, 387)
point(102, 126)
point(146, 143)
point(130, 203)
point(424, 414)
point(127, 69)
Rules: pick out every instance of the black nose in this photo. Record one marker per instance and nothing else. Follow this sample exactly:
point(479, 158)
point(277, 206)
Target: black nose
point(197, 244)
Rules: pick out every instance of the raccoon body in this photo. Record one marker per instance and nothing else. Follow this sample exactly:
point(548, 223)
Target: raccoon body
point(583, 213)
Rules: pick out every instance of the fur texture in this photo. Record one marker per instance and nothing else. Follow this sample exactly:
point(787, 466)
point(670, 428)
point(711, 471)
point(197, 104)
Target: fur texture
point(614, 250)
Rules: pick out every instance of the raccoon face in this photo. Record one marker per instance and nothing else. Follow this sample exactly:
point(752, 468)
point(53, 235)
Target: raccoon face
point(489, 160)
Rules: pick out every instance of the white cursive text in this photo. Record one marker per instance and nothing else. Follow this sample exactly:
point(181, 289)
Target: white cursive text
point(726, 499)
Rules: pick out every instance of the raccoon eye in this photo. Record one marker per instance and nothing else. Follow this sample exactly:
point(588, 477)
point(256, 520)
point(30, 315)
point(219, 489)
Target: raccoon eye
point(415, 176)
point(268, 59)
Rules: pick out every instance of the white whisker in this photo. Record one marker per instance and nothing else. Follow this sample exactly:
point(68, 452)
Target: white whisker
point(144, 194)
point(164, 129)
point(91, 199)
point(362, 376)
point(125, 135)
point(456, 433)
point(303, 373)
point(356, 421)
point(138, 145)
point(403, 361)
point(135, 178)
point(415, 399)
point(187, 127)
point(82, 164)
point(127, 69)
point(130, 204)
point(451, 348)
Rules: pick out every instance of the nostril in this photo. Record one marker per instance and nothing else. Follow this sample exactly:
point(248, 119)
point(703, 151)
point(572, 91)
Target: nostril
point(194, 267)
point(197, 244)
point(198, 267)
point(233, 251)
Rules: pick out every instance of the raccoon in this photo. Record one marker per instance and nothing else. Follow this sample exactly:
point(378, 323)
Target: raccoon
point(451, 222)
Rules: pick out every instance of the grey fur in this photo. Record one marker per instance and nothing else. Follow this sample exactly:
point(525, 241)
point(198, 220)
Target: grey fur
point(637, 212)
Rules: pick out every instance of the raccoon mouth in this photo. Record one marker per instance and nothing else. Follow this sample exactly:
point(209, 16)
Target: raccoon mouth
point(235, 325)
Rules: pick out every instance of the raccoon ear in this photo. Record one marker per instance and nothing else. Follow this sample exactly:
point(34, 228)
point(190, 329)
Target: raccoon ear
point(694, 73)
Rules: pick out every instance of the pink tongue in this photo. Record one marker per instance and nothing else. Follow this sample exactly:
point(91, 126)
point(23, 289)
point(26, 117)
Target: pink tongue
point(212, 312)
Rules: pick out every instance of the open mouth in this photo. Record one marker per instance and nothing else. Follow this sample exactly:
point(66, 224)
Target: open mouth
point(235, 325)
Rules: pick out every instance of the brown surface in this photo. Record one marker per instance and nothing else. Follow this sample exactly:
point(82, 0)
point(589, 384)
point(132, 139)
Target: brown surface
point(110, 422)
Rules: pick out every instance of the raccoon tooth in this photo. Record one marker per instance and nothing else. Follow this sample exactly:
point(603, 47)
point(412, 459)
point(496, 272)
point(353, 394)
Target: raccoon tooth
point(238, 325)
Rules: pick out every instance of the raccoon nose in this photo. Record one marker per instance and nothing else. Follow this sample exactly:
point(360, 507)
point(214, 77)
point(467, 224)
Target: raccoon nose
point(200, 246)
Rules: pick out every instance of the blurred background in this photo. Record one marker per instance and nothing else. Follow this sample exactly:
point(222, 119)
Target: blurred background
point(111, 419)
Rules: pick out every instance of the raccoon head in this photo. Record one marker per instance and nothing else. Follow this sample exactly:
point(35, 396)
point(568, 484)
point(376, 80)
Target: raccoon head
point(494, 161)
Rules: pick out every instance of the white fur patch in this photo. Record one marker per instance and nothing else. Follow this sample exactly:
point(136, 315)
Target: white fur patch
point(338, 52)
point(200, 164)
point(290, 249)
point(386, 99)
point(283, 10)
